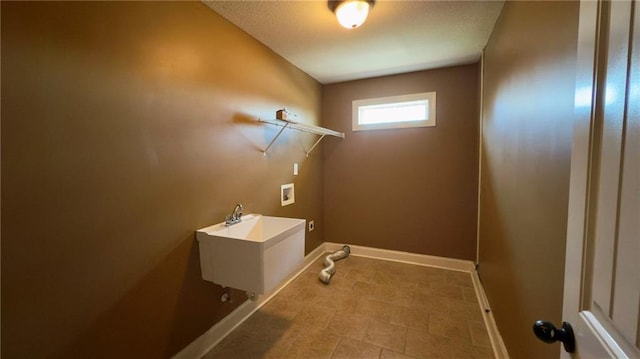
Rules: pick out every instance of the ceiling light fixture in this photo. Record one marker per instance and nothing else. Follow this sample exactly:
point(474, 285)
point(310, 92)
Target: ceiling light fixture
point(351, 13)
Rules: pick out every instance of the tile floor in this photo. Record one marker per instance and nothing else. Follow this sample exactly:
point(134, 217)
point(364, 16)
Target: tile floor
point(371, 309)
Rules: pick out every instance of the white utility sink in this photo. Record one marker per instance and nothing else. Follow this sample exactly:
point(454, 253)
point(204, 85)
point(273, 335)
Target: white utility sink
point(254, 255)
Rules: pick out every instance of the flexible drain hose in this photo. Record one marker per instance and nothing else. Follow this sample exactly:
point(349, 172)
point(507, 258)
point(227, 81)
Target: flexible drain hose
point(330, 266)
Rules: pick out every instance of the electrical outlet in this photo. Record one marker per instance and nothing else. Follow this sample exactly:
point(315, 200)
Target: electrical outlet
point(312, 226)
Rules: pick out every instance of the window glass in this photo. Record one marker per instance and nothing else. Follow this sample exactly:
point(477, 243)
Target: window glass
point(415, 110)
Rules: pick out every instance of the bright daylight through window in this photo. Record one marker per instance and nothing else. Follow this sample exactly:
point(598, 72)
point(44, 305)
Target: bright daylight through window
point(415, 110)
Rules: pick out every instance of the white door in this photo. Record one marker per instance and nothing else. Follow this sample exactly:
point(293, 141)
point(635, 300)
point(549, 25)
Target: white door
point(602, 275)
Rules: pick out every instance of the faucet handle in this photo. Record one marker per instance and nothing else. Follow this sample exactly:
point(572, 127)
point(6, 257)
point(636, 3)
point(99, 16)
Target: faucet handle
point(235, 216)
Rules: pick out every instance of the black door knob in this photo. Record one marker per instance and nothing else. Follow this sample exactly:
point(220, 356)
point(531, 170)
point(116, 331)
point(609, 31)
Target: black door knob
point(548, 333)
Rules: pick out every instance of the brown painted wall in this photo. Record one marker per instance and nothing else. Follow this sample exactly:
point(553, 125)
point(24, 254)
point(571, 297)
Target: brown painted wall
point(527, 126)
point(126, 127)
point(410, 190)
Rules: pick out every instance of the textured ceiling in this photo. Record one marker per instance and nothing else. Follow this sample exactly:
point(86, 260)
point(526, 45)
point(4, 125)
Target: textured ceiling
point(398, 36)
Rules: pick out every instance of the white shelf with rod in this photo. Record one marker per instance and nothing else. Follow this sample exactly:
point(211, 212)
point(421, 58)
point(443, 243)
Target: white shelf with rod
point(287, 123)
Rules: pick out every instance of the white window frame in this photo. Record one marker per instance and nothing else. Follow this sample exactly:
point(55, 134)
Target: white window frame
point(359, 105)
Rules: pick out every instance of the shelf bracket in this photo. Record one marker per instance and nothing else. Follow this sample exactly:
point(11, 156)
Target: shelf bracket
point(315, 144)
point(274, 139)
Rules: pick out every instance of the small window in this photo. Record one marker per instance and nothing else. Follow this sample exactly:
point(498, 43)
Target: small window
point(416, 110)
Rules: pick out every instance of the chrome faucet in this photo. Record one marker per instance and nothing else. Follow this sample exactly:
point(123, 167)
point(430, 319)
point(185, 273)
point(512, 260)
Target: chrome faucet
point(235, 216)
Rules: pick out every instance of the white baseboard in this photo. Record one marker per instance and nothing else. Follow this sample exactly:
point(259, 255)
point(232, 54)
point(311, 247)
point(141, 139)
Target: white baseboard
point(406, 257)
point(499, 349)
point(220, 330)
